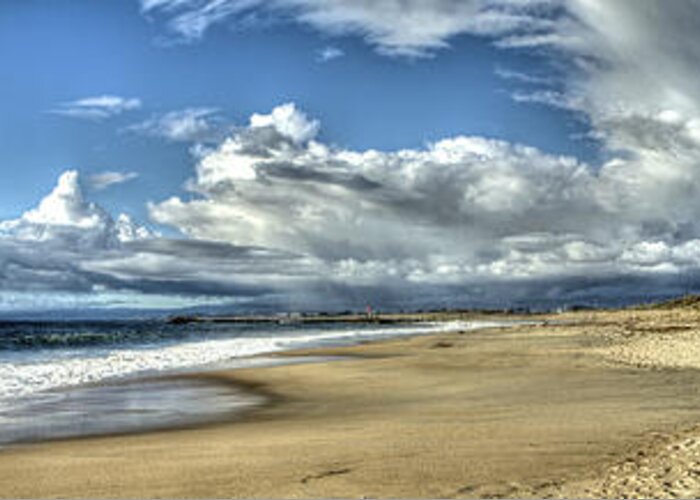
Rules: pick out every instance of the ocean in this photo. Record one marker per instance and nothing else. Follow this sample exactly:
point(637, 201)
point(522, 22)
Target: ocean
point(68, 379)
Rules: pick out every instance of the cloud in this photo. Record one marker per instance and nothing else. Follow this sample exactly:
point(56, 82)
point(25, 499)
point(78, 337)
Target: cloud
point(186, 125)
point(552, 98)
point(46, 249)
point(329, 53)
point(463, 212)
point(97, 108)
point(629, 71)
point(288, 121)
point(65, 216)
point(192, 18)
point(411, 28)
point(69, 252)
point(103, 180)
point(521, 77)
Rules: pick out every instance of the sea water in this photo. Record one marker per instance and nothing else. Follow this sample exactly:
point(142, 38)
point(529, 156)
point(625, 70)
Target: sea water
point(67, 379)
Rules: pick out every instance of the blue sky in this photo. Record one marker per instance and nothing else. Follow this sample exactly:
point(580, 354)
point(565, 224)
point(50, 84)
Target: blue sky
point(295, 153)
point(56, 52)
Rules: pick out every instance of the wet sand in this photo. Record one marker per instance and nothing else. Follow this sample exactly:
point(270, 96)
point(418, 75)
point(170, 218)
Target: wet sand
point(552, 410)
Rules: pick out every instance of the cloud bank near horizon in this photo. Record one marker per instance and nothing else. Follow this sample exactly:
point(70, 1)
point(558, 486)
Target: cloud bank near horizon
point(274, 213)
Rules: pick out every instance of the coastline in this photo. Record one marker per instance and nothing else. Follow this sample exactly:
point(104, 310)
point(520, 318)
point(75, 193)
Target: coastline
point(532, 410)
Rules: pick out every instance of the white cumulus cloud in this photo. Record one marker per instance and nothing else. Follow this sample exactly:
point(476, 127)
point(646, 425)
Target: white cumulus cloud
point(288, 121)
point(65, 216)
point(464, 210)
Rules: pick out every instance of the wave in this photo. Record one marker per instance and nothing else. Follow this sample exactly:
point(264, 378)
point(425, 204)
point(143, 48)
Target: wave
point(24, 335)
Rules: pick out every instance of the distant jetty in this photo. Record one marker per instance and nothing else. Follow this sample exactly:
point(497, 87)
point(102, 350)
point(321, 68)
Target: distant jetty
point(380, 318)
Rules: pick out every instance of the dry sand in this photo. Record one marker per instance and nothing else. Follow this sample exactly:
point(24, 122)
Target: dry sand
point(594, 408)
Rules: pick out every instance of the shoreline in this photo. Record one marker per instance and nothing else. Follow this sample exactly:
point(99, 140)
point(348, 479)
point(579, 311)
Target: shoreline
point(101, 408)
point(529, 410)
point(54, 376)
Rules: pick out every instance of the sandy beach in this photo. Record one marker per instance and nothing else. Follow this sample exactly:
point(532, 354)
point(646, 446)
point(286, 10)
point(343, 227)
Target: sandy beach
point(583, 405)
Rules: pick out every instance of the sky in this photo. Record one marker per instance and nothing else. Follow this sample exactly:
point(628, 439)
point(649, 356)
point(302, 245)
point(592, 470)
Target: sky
point(305, 154)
